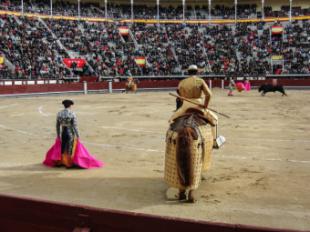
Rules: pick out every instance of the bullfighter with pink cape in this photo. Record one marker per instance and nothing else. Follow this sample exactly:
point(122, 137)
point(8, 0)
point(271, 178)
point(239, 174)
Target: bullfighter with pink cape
point(67, 150)
point(247, 85)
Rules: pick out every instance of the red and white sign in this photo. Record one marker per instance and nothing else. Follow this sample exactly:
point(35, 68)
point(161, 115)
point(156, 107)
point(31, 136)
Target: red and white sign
point(80, 63)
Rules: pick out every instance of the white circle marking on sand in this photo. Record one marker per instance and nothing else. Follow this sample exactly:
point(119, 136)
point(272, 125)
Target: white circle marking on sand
point(7, 106)
point(239, 138)
point(268, 159)
point(129, 129)
point(13, 129)
point(127, 147)
point(273, 139)
point(40, 109)
point(155, 150)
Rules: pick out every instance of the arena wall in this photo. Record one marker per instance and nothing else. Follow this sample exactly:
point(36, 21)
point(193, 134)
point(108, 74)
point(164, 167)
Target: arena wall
point(25, 214)
point(152, 84)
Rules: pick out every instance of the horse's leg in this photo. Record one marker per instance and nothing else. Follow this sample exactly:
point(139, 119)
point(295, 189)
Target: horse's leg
point(183, 161)
point(182, 195)
point(191, 197)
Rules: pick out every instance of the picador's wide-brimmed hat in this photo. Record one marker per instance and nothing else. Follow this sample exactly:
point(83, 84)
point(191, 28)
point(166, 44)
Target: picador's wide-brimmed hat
point(192, 67)
point(67, 102)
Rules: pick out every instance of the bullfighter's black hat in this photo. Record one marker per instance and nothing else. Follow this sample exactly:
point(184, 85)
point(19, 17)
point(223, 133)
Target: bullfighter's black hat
point(67, 103)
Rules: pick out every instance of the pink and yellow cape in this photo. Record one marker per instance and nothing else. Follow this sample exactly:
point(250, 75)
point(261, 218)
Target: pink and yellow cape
point(81, 157)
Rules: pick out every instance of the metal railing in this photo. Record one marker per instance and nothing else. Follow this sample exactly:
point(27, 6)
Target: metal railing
point(155, 21)
point(220, 76)
point(6, 81)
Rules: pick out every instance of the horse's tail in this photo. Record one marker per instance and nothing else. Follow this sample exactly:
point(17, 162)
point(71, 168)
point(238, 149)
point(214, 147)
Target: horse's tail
point(184, 156)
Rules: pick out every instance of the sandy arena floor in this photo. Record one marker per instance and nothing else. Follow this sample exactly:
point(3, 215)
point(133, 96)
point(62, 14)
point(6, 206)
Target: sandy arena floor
point(260, 177)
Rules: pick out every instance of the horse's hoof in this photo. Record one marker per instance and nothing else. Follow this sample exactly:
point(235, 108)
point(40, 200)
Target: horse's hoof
point(192, 200)
point(191, 197)
point(182, 196)
point(203, 177)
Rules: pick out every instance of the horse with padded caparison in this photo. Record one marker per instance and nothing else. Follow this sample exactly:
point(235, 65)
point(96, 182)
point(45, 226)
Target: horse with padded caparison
point(189, 143)
point(265, 88)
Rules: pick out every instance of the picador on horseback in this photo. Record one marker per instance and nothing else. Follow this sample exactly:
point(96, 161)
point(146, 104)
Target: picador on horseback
point(131, 85)
point(191, 136)
point(197, 91)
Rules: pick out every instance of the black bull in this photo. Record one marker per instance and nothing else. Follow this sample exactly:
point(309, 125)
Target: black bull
point(271, 88)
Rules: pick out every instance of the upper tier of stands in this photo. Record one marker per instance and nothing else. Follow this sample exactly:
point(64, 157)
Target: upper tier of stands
point(35, 48)
point(195, 11)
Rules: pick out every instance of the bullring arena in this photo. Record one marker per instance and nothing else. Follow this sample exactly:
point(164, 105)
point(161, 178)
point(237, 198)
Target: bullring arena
point(94, 52)
point(259, 177)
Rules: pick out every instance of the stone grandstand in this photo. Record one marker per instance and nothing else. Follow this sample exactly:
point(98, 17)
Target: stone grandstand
point(35, 47)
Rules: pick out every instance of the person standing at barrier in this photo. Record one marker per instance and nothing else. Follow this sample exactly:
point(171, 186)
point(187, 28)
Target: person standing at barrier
point(231, 86)
point(196, 90)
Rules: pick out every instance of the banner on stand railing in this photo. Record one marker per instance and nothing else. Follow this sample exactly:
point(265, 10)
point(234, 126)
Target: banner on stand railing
point(123, 30)
point(277, 57)
point(277, 30)
point(79, 63)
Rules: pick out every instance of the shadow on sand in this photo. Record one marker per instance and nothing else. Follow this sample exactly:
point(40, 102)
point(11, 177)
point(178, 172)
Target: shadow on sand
point(59, 184)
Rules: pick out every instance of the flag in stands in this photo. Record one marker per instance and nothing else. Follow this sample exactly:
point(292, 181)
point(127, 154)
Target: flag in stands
point(276, 30)
point(140, 60)
point(277, 57)
point(124, 30)
point(1, 59)
point(80, 63)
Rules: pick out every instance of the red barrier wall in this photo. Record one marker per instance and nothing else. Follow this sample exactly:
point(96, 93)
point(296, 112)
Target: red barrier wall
point(21, 214)
point(158, 84)
point(23, 89)
point(97, 85)
point(149, 84)
point(45, 88)
point(88, 79)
